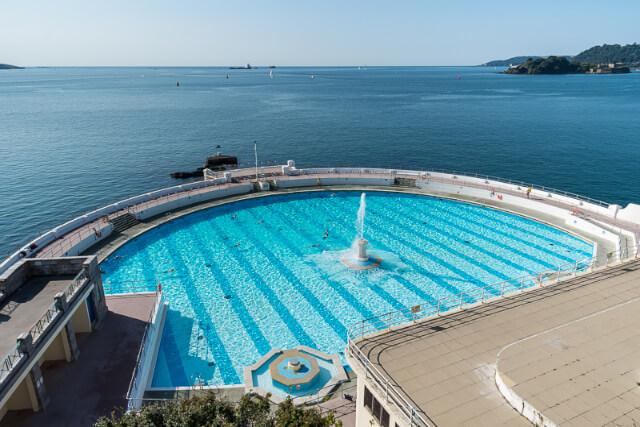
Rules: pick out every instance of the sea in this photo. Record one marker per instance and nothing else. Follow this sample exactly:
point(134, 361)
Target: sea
point(75, 139)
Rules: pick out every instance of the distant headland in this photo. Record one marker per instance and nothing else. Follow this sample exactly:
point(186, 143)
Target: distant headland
point(624, 56)
point(605, 59)
point(10, 67)
point(560, 65)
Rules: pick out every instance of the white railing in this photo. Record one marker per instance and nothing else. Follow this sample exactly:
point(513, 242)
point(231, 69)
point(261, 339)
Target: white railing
point(10, 361)
point(134, 383)
point(428, 309)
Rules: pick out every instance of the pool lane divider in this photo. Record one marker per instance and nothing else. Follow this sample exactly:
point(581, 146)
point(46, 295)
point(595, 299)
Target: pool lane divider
point(295, 283)
point(221, 357)
point(379, 243)
point(498, 217)
point(341, 290)
point(253, 330)
point(283, 312)
point(434, 218)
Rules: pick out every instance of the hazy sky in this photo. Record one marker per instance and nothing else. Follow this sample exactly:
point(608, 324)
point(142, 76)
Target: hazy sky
point(326, 32)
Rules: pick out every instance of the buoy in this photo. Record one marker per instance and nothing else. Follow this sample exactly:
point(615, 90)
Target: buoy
point(575, 211)
point(99, 234)
point(499, 196)
point(423, 176)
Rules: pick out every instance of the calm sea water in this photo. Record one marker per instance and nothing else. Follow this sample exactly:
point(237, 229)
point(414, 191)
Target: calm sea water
point(73, 139)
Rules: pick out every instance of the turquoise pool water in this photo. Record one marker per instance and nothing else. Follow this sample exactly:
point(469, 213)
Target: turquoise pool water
point(255, 275)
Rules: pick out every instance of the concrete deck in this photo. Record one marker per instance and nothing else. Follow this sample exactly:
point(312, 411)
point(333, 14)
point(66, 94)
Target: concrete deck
point(582, 373)
point(445, 366)
point(97, 383)
point(26, 306)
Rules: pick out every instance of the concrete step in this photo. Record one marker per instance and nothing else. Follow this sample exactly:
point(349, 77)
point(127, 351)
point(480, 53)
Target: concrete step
point(405, 182)
point(123, 222)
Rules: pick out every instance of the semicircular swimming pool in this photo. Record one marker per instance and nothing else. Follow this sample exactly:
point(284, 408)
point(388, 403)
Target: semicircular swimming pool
point(265, 273)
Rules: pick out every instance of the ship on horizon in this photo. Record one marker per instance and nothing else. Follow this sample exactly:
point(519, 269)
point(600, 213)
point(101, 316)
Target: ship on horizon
point(246, 67)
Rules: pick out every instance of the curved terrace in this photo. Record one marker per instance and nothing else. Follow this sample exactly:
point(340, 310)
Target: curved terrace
point(296, 204)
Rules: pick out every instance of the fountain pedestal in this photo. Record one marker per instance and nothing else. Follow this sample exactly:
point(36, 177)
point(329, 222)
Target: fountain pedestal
point(362, 249)
point(361, 260)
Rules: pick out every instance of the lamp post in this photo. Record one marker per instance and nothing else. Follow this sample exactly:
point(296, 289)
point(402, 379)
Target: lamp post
point(255, 150)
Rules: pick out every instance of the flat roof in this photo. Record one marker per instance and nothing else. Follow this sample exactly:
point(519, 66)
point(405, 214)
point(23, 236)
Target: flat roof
point(98, 381)
point(22, 309)
point(571, 349)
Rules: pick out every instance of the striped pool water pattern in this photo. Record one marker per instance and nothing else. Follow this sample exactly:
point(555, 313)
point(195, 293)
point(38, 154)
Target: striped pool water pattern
point(250, 276)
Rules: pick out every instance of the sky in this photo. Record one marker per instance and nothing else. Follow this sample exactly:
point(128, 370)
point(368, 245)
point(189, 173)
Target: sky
point(303, 32)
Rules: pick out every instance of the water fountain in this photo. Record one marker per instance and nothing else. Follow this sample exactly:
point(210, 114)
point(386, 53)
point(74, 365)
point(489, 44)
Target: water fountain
point(357, 257)
point(303, 373)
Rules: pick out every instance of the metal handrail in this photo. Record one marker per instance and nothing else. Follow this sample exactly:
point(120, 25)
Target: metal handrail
point(390, 391)
point(47, 318)
point(433, 308)
point(10, 361)
point(76, 284)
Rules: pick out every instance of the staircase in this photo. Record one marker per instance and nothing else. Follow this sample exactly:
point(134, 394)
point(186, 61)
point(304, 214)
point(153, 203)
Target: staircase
point(123, 222)
point(405, 182)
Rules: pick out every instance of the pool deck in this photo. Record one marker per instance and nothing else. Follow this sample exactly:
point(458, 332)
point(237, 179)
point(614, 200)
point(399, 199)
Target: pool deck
point(23, 308)
point(98, 381)
point(571, 350)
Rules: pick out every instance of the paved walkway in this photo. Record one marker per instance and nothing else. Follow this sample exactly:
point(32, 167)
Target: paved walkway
point(446, 365)
point(98, 381)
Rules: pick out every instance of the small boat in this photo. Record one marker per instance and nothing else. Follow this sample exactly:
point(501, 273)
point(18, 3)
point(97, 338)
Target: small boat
point(271, 73)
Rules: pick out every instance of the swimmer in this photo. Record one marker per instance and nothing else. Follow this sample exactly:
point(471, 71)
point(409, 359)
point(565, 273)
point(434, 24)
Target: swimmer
point(314, 246)
point(261, 221)
point(169, 271)
point(237, 245)
point(117, 257)
point(234, 216)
